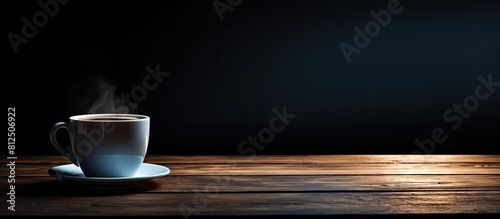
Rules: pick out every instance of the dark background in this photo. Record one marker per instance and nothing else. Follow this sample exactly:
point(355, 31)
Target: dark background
point(227, 76)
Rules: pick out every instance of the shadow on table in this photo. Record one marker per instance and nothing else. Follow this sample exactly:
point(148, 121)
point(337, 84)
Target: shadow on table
point(68, 188)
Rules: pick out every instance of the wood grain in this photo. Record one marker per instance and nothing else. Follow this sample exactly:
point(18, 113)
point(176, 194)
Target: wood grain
point(299, 169)
point(313, 183)
point(311, 203)
point(357, 185)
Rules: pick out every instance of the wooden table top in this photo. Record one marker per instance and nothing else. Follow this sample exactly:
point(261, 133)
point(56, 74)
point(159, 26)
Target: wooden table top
point(272, 185)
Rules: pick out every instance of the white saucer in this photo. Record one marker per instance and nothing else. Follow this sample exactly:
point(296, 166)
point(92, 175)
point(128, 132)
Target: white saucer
point(74, 174)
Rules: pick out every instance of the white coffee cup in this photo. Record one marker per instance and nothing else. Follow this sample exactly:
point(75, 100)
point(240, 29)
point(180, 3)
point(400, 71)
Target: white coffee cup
point(105, 145)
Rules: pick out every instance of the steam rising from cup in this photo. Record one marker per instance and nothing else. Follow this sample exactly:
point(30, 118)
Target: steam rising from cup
point(97, 95)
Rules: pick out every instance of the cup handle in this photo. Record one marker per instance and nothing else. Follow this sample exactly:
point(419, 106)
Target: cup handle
point(66, 152)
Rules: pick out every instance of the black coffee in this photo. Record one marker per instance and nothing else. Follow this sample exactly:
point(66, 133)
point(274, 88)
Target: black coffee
point(110, 118)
